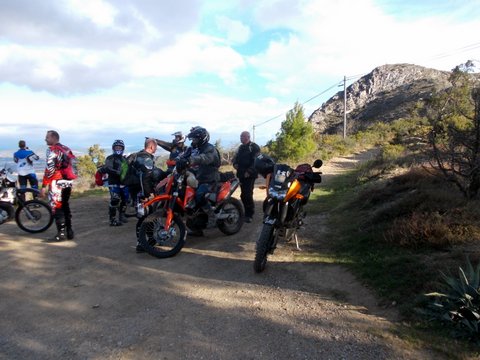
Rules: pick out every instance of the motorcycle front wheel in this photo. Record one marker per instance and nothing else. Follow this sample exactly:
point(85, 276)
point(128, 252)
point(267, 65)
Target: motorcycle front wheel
point(159, 242)
point(264, 243)
point(34, 216)
point(9, 211)
point(233, 222)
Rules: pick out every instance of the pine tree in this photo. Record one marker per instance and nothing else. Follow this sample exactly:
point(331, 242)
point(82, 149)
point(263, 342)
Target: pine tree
point(295, 140)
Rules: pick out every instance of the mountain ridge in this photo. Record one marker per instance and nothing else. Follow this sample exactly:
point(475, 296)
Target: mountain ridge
point(388, 92)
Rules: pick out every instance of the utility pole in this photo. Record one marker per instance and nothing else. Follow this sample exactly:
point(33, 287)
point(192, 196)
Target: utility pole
point(344, 107)
point(253, 133)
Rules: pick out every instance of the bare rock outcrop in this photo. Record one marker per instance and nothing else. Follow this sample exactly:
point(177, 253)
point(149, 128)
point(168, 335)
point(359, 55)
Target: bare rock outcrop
point(389, 92)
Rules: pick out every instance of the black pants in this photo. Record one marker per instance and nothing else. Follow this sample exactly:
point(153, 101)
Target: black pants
point(246, 187)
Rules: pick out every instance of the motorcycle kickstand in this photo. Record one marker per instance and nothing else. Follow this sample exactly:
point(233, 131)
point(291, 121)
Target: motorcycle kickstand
point(296, 242)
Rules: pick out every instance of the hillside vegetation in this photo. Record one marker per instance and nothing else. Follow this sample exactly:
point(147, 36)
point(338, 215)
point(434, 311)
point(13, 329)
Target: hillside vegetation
point(408, 222)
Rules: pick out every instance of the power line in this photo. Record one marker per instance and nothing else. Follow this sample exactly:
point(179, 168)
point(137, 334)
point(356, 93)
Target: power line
point(313, 97)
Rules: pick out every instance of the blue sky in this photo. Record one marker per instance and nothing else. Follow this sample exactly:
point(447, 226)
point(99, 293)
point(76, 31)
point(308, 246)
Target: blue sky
point(98, 70)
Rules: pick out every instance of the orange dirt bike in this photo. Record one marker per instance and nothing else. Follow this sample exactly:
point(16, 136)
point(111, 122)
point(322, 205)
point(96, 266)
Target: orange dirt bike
point(162, 233)
point(288, 191)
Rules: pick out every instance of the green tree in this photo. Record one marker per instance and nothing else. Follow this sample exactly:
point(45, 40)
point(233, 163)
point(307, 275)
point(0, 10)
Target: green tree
point(96, 152)
point(296, 138)
point(86, 166)
point(455, 138)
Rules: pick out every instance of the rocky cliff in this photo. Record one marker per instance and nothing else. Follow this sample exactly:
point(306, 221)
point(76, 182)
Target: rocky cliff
point(387, 93)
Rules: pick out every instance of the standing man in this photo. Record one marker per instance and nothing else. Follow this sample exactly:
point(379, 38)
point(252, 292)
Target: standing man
point(59, 187)
point(24, 159)
point(114, 165)
point(148, 176)
point(243, 162)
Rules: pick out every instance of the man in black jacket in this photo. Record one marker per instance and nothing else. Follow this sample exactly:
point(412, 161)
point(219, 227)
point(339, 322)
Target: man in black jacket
point(246, 173)
point(204, 160)
point(114, 165)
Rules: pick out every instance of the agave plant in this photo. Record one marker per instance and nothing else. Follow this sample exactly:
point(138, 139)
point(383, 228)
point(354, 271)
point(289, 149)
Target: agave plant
point(460, 302)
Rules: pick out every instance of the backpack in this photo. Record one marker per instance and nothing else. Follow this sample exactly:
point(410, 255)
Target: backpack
point(68, 165)
point(100, 178)
point(129, 175)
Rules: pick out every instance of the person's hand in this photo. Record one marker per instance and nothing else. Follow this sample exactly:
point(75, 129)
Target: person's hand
point(43, 192)
point(246, 175)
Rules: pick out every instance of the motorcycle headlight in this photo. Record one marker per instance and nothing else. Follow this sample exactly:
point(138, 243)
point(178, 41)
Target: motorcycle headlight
point(277, 194)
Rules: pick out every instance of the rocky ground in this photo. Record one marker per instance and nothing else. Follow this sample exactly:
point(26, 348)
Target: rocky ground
point(95, 298)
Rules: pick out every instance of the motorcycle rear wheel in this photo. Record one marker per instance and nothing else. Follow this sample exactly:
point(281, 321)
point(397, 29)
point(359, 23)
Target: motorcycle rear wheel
point(234, 208)
point(159, 242)
point(34, 216)
point(264, 243)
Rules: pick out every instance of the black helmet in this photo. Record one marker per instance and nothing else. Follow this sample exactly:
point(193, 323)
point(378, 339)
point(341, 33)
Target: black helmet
point(118, 143)
point(264, 164)
point(199, 136)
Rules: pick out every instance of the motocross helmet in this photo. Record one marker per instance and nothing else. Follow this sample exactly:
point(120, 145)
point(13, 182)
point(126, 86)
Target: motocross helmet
point(264, 164)
point(199, 136)
point(179, 138)
point(118, 143)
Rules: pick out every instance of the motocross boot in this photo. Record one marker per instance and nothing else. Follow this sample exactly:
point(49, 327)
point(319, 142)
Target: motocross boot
point(68, 225)
point(121, 215)
point(60, 236)
point(112, 212)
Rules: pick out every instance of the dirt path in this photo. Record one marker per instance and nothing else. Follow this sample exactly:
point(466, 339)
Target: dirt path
point(95, 298)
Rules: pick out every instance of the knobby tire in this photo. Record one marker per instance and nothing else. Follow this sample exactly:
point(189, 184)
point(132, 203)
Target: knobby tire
point(152, 237)
point(234, 207)
point(34, 216)
point(264, 243)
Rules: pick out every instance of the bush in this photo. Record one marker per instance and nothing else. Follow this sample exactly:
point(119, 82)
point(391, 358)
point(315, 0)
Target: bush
point(433, 229)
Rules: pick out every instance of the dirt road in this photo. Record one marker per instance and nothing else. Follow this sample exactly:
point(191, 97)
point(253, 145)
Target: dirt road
point(95, 298)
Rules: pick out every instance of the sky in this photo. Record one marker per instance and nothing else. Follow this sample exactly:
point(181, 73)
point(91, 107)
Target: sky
point(100, 70)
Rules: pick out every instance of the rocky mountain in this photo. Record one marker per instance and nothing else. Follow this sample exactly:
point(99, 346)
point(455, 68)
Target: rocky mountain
point(387, 93)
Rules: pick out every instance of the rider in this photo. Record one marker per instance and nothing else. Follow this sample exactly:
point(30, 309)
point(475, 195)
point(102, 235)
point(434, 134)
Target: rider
point(176, 148)
point(24, 158)
point(114, 164)
point(204, 160)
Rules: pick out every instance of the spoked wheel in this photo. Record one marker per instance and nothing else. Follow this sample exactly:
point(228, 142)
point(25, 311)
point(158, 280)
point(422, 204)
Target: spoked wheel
point(232, 217)
point(161, 242)
point(7, 212)
point(264, 244)
point(34, 216)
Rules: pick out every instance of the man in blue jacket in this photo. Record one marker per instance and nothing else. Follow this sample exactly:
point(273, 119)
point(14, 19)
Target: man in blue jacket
point(24, 159)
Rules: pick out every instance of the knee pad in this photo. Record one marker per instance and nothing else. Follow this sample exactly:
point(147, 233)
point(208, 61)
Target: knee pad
point(115, 200)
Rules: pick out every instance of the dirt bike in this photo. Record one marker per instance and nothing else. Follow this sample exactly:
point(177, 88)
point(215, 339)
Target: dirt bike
point(32, 216)
point(288, 190)
point(162, 232)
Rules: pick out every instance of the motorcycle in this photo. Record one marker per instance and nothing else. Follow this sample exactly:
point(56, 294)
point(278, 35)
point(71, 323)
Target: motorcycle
point(162, 233)
point(33, 215)
point(288, 191)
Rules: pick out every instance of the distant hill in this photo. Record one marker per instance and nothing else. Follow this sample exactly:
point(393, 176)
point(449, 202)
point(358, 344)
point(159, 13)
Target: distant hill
point(389, 92)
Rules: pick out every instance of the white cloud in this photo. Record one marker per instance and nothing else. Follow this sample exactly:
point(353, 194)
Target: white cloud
point(98, 11)
point(191, 54)
point(236, 32)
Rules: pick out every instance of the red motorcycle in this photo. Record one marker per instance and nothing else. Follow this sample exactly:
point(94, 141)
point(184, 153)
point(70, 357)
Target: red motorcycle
point(162, 232)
